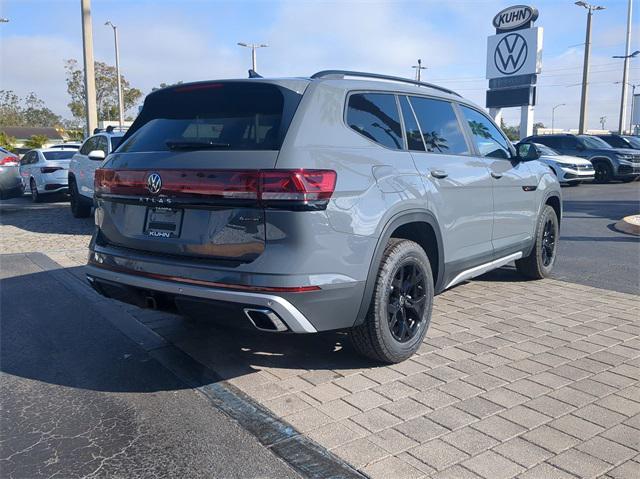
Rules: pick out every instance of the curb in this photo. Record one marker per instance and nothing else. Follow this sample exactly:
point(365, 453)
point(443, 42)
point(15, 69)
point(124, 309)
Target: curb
point(629, 225)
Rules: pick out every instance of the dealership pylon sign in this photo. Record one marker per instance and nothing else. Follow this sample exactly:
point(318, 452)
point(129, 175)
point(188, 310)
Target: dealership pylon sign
point(514, 59)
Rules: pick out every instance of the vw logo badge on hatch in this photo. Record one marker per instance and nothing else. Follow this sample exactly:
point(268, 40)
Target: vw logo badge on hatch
point(510, 54)
point(154, 183)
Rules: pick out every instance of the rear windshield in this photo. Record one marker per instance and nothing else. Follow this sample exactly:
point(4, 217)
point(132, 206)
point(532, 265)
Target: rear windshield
point(213, 116)
point(59, 155)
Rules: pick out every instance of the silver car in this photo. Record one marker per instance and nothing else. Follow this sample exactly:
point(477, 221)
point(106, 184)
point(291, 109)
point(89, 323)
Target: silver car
point(570, 170)
point(10, 182)
point(45, 171)
point(344, 200)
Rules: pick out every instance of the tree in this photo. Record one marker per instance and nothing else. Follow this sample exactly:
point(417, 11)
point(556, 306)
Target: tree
point(28, 111)
point(512, 132)
point(36, 141)
point(106, 91)
point(7, 142)
point(165, 85)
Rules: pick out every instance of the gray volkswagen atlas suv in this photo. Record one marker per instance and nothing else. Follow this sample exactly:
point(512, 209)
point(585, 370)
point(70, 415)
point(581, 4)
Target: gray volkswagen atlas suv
point(344, 201)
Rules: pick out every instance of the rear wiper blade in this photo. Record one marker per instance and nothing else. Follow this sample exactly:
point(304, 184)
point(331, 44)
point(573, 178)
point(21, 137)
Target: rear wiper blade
point(195, 145)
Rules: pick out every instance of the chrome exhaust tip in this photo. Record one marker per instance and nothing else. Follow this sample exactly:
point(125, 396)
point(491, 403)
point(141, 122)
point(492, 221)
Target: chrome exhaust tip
point(265, 320)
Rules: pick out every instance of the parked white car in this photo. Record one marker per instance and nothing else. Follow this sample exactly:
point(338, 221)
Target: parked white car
point(570, 170)
point(44, 171)
point(83, 166)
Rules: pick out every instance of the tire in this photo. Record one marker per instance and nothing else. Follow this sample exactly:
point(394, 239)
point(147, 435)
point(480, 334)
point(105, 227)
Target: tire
point(35, 196)
point(79, 209)
point(540, 261)
point(382, 334)
point(604, 172)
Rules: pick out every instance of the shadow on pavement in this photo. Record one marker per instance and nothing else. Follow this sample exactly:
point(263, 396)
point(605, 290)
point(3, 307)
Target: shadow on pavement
point(613, 210)
point(53, 335)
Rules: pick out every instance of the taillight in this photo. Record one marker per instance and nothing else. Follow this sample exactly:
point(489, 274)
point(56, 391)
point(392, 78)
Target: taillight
point(9, 161)
point(267, 187)
point(50, 169)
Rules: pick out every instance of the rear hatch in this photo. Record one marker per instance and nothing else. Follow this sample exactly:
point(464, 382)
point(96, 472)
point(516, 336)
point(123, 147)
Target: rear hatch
point(185, 179)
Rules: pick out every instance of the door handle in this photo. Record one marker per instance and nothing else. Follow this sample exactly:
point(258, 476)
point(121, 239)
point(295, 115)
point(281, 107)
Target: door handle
point(439, 174)
point(497, 176)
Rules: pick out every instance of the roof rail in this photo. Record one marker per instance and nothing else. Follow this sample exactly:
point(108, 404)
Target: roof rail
point(344, 73)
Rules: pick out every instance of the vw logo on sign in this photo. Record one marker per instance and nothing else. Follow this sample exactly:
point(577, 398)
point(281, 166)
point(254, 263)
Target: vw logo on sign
point(154, 183)
point(510, 54)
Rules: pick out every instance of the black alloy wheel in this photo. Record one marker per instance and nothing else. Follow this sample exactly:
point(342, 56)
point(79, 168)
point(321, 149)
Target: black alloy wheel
point(548, 243)
point(407, 301)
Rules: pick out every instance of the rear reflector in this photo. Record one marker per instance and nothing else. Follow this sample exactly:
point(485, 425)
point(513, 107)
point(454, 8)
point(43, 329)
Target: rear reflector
point(265, 186)
point(51, 169)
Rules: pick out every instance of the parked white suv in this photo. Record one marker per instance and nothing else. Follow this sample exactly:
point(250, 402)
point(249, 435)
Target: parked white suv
point(83, 166)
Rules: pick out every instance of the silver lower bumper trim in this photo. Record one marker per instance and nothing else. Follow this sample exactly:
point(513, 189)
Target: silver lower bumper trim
point(294, 319)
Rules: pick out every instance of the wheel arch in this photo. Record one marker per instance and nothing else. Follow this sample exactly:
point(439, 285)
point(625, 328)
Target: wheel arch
point(419, 226)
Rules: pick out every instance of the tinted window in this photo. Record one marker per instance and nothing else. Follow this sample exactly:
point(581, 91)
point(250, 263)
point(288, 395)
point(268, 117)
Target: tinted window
point(26, 159)
point(594, 142)
point(634, 142)
point(488, 138)
point(414, 137)
point(102, 144)
point(115, 142)
point(550, 141)
point(225, 116)
point(440, 128)
point(88, 146)
point(568, 142)
point(58, 155)
point(615, 141)
point(375, 115)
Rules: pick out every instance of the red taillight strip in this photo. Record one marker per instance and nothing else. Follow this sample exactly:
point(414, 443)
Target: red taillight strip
point(263, 185)
point(210, 284)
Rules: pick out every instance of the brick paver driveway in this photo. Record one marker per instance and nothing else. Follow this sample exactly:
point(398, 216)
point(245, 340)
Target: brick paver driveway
point(516, 378)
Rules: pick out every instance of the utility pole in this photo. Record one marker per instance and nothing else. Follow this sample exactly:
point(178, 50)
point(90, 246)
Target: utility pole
point(120, 101)
point(625, 74)
point(418, 67)
point(254, 47)
point(603, 120)
point(89, 73)
point(553, 113)
point(585, 71)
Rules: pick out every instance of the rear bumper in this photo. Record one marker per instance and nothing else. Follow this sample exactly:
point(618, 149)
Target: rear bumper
point(306, 312)
point(137, 285)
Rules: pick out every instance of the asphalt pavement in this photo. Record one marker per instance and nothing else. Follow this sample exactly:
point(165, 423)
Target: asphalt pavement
point(592, 252)
point(81, 399)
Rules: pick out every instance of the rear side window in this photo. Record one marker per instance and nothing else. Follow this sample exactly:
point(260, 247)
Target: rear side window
point(552, 142)
point(58, 155)
point(115, 142)
point(208, 116)
point(440, 128)
point(489, 140)
point(375, 115)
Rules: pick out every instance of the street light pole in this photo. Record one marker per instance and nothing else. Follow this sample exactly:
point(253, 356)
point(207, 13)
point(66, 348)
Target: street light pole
point(91, 111)
point(254, 47)
point(418, 67)
point(585, 69)
point(625, 74)
point(603, 120)
point(120, 100)
point(553, 112)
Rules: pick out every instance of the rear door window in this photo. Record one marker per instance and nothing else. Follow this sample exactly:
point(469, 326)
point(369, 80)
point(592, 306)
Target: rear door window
point(440, 127)
point(489, 140)
point(375, 115)
point(209, 116)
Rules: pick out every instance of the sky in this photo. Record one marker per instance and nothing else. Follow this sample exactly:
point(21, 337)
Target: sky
point(185, 40)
